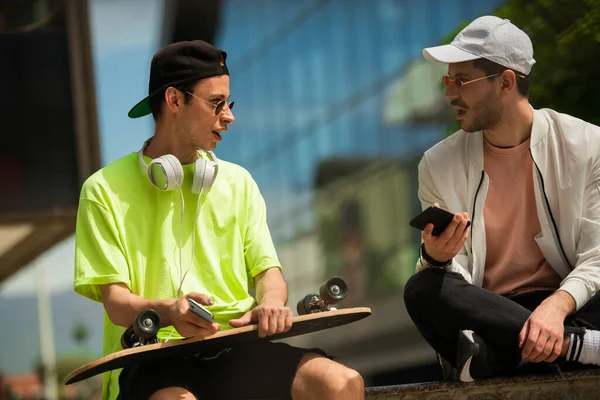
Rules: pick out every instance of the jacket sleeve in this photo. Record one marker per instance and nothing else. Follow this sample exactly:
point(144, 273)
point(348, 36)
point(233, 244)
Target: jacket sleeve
point(584, 282)
point(428, 195)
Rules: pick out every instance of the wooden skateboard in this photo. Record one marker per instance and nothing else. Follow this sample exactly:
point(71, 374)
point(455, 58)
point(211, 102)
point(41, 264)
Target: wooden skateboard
point(140, 343)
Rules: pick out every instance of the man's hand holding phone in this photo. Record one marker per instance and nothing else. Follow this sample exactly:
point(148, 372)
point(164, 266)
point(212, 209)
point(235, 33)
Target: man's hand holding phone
point(191, 319)
point(443, 246)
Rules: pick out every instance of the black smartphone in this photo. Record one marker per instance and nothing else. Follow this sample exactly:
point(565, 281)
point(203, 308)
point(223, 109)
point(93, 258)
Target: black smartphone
point(436, 216)
point(200, 311)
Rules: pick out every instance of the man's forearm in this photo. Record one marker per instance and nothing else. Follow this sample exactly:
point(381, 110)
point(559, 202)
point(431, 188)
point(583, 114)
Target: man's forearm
point(271, 287)
point(123, 307)
point(563, 302)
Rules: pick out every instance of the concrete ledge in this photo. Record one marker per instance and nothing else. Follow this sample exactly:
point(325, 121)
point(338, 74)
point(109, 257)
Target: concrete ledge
point(584, 385)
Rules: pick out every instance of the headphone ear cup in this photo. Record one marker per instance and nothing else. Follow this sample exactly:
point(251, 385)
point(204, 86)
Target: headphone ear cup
point(199, 175)
point(211, 173)
point(165, 172)
point(205, 173)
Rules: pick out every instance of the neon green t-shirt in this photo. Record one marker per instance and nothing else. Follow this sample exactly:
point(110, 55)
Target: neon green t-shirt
point(128, 231)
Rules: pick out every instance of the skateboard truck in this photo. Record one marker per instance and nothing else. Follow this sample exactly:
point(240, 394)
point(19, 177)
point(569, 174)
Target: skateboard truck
point(331, 292)
point(143, 331)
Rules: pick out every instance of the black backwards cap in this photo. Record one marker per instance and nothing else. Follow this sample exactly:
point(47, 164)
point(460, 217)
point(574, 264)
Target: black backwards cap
point(180, 63)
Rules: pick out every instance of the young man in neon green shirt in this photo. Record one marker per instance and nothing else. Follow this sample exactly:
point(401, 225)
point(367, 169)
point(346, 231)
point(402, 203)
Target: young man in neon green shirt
point(172, 222)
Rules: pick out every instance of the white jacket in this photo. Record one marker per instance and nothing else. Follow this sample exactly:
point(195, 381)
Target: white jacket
point(566, 171)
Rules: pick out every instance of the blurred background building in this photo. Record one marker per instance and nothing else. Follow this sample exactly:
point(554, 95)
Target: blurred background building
point(48, 147)
point(334, 108)
point(49, 141)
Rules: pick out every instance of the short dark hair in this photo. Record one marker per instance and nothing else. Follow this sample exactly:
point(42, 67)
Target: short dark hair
point(491, 68)
point(156, 101)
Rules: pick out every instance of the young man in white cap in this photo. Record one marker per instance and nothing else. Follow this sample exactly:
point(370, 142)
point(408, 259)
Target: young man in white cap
point(520, 283)
point(170, 223)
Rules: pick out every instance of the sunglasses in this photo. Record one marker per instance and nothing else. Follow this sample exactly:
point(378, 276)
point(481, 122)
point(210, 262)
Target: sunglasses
point(460, 82)
point(218, 107)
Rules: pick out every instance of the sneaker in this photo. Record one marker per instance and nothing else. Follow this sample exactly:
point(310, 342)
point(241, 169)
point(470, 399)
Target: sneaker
point(469, 347)
point(449, 373)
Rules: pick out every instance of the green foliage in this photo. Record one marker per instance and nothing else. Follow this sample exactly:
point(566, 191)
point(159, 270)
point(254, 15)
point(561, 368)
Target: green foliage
point(80, 333)
point(566, 44)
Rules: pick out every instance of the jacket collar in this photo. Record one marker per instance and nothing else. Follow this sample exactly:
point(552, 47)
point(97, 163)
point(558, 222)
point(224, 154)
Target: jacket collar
point(539, 131)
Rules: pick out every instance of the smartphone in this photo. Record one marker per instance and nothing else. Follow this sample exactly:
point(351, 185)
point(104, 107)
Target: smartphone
point(436, 216)
point(200, 311)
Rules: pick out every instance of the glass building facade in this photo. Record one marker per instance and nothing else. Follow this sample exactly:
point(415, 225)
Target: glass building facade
point(334, 107)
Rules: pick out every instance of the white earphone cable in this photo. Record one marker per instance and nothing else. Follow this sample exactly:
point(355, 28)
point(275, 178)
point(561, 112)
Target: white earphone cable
point(194, 229)
point(181, 274)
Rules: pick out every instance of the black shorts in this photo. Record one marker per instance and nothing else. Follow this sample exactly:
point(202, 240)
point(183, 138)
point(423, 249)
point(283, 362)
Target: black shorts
point(263, 370)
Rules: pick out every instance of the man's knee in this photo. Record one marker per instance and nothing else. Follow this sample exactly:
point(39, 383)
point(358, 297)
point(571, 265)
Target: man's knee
point(321, 378)
point(174, 392)
point(421, 287)
point(347, 381)
point(347, 384)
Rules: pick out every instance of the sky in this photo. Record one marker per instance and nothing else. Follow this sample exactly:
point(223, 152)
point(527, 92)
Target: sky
point(125, 34)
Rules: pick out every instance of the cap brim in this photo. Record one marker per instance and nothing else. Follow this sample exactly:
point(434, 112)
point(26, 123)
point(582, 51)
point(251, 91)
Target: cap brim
point(141, 109)
point(448, 54)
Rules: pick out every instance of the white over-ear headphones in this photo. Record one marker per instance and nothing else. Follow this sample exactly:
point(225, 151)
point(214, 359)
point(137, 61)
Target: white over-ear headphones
point(166, 172)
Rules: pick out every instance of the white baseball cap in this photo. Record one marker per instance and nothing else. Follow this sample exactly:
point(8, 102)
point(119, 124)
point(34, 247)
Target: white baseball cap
point(490, 37)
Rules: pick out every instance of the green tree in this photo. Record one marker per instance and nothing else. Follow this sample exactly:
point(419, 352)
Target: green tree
point(566, 44)
point(80, 333)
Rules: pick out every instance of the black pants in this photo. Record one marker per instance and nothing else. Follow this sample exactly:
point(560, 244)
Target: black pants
point(441, 303)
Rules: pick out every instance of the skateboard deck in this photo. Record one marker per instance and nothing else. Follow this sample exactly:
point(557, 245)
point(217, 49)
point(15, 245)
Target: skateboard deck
point(301, 325)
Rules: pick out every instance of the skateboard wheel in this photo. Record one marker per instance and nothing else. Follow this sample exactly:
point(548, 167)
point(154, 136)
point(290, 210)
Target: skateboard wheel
point(309, 304)
point(128, 339)
point(147, 324)
point(334, 290)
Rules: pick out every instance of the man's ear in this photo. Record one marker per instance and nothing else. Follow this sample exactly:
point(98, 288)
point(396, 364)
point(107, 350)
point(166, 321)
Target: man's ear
point(509, 80)
point(172, 99)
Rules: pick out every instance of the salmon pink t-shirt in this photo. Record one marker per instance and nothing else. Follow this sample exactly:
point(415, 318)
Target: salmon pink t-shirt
point(514, 262)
